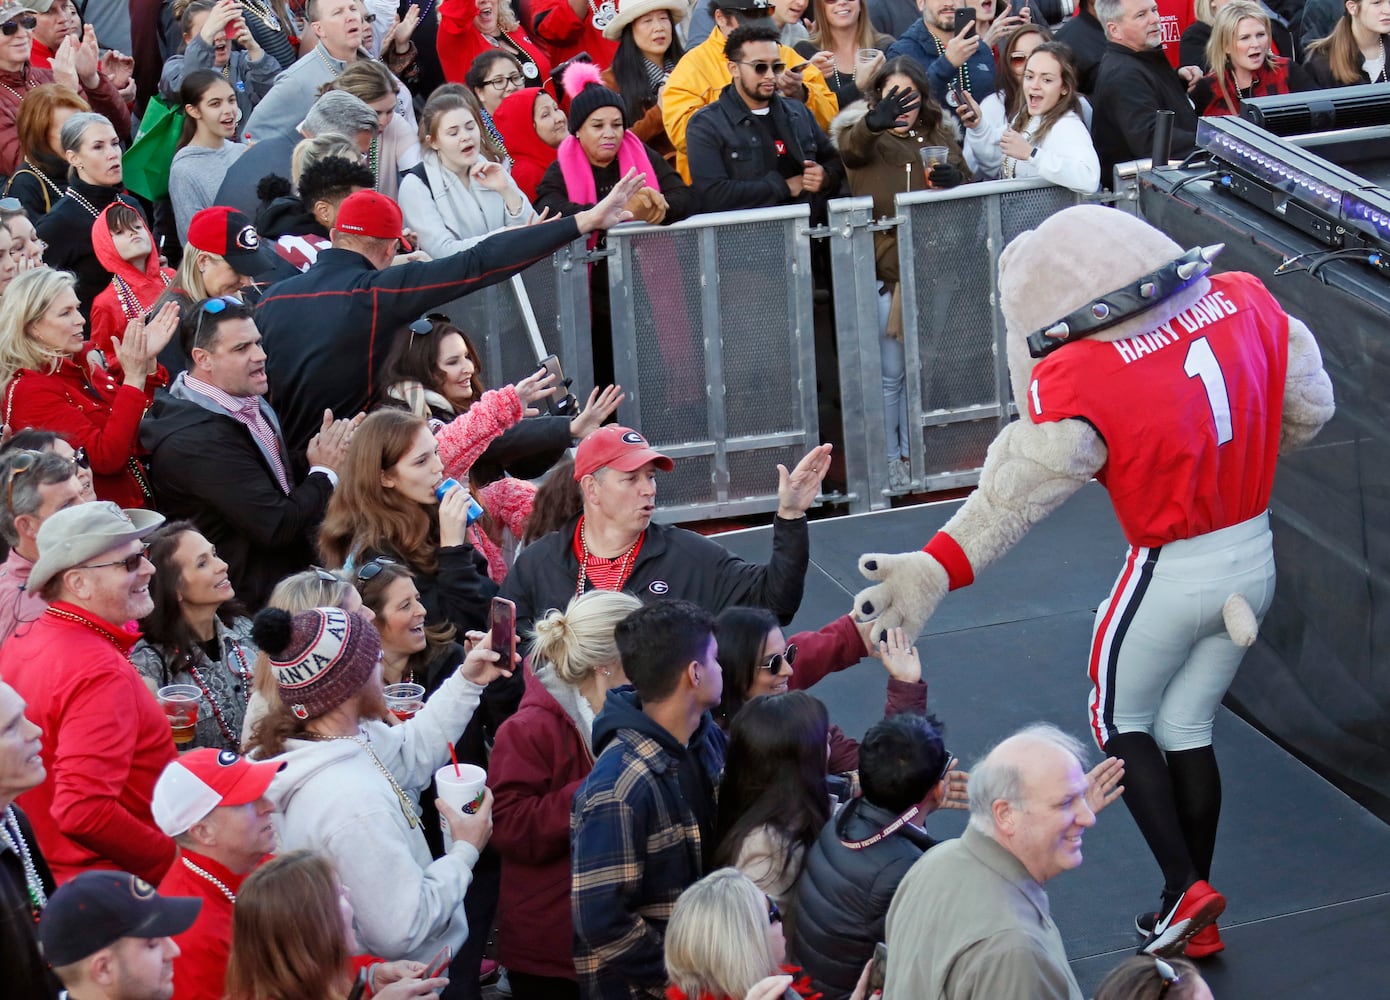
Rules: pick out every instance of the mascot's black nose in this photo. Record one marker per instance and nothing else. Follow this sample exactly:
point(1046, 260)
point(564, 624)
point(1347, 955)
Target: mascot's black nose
point(867, 608)
point(871, 565)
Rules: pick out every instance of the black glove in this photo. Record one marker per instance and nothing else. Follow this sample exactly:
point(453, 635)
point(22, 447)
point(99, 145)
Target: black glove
point(890, 107)
point(943, 175)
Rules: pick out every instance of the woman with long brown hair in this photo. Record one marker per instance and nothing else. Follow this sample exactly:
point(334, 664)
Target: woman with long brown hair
point(292, 938)
point(1355, 51)
point(386, 506)
point(1045, 136)
point(206, 148)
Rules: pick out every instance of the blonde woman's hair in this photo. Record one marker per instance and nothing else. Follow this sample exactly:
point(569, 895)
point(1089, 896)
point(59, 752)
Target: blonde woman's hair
point(189, 278)
point(579, 640)
point(716, 942)
point(25, 301)
point(1223, 36)
point(1202, 10)
point(307, 152)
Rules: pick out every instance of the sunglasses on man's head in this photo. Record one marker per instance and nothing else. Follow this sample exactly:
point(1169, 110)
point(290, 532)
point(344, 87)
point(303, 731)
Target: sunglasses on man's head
point(25, 21)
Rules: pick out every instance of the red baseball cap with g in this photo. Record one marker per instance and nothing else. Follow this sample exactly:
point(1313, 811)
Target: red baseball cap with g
point(229, 234)
point(371, 213)
point(616, 447)
point(201, 780)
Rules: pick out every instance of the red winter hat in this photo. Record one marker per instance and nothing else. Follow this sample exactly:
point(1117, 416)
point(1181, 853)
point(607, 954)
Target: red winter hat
point(320, 658)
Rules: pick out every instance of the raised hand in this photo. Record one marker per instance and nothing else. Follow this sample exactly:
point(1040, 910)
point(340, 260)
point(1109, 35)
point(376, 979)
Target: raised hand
point(613, 208)
point(798, 489)
point(534, 387)
point(892, 109)
point(1103, 783)
point(599, 408)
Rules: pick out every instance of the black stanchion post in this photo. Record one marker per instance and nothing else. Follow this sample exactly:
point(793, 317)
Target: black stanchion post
point(1163, 137)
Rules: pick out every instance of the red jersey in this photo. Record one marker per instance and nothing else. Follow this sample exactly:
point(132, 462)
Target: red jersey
point(1174, 17)
point(200, 970)
point(1190, 411)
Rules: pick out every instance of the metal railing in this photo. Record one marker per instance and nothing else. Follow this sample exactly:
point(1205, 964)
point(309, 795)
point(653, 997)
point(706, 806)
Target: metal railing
point(713, 339)
point(544, 311)
point(713, 344)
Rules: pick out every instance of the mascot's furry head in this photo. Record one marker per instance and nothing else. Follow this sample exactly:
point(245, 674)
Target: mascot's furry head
point(1076, 259)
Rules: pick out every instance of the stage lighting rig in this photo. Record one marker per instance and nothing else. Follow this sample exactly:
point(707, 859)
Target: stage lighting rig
point(1277, 177)
point(1339, 108)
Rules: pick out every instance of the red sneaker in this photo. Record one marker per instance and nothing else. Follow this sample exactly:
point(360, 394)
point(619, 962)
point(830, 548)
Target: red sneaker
point(1195, 910)
point(1205, 942)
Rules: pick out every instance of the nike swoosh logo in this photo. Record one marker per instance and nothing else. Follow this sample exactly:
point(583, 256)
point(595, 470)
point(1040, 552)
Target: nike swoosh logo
point(1167, 919)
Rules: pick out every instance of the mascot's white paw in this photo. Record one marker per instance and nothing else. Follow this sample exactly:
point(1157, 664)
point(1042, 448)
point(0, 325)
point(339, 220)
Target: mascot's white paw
point(911, 586)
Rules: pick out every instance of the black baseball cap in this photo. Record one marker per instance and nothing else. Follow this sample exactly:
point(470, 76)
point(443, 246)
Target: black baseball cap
point(98, 908)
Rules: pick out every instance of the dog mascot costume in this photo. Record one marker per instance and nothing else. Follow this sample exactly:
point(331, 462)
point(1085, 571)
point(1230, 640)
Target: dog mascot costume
point(1177, 391)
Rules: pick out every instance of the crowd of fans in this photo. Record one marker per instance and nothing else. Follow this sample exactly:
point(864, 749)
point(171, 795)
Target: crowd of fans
point(253, 477)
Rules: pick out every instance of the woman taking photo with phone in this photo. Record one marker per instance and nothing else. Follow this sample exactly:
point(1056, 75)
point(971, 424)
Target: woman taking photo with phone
point(1000, 107)
point(1046, 137)
point(880, 144)
point(542, 755)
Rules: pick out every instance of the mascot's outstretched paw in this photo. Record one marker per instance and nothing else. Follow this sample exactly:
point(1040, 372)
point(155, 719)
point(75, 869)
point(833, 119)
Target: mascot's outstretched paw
point(911, 586)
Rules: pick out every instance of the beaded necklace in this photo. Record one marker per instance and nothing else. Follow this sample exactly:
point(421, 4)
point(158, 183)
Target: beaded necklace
point(263, 13)
point(44, 178)
point(131, 305)
point(624, 566)
point(962, 74)
point(17, 93)
point(363, 741)
point(33, 885)
point(231, 896)
point(75, 196)
point(106, 634)
point(244, 673)
point(529, 69)
point(373, 162)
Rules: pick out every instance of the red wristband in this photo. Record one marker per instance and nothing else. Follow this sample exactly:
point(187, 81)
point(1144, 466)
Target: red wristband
point(947, 551)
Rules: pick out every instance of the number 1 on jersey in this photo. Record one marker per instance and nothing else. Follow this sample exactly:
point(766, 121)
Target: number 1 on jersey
point(1201, 363)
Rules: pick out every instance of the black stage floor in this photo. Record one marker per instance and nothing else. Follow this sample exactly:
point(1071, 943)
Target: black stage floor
point(1306, 870)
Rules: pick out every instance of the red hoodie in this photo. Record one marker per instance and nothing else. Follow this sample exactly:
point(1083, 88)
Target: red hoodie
point(131, 293)
point(515, 119)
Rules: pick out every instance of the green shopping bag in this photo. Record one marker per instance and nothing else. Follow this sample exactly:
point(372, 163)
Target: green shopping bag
point(146, 164)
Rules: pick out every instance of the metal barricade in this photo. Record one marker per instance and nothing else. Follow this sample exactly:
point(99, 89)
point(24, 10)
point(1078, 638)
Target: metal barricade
point(713, 344)
point(503, 323)
point(949, 244)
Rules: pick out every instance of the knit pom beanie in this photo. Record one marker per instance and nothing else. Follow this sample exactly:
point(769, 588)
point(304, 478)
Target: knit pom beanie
point(584, 83)
point(321, 658)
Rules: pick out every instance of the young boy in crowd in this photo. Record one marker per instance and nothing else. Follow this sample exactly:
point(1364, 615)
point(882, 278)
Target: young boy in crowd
point(124, 247)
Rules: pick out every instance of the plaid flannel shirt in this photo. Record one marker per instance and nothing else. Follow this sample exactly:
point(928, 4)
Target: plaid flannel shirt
point(636, 847)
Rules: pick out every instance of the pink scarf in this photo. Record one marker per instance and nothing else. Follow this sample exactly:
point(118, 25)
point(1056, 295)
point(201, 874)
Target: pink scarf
point(579, 172)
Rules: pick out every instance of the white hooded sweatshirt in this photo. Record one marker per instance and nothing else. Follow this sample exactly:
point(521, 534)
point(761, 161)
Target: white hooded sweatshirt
point(332, 799)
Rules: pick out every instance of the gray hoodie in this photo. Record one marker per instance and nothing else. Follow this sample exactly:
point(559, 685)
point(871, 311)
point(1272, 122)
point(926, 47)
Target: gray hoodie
point(332, 799)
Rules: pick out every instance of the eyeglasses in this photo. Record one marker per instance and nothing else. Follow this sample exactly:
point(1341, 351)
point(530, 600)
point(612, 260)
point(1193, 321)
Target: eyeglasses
point(775, 661)
point(774, 915)
point(129, 563)
point(23, 462)
point(1018, 57)
point(212, 307)
point(369, 570)
point(760, 68)
point(80, 459)
point(501, 83)
point(1167, 973)
point(25, 21)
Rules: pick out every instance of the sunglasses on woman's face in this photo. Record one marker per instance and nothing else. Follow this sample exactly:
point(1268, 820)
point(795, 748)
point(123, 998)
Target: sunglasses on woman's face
point(12, 26)
point(776, 660)
point(80, 459)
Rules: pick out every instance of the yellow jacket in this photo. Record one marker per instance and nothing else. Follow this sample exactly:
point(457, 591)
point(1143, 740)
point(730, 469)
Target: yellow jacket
point(703, 72)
